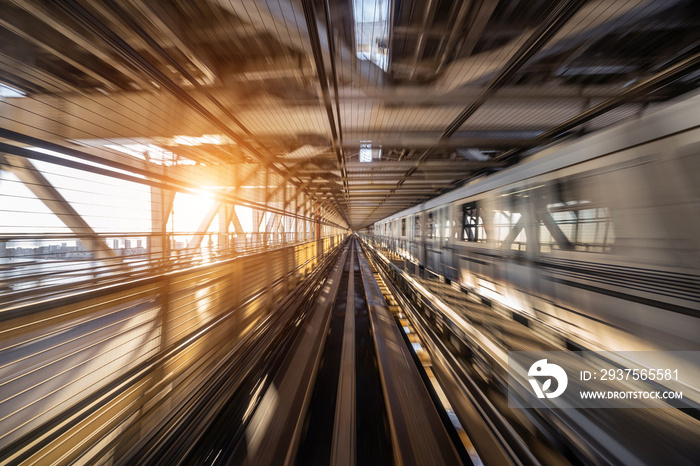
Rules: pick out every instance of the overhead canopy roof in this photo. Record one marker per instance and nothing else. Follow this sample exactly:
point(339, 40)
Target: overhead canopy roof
point(369, 108)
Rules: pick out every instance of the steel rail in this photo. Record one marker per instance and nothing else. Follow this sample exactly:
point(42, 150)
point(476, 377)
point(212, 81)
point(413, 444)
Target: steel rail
point(419, 435)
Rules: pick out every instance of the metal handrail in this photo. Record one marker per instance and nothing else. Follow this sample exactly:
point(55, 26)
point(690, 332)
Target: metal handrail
point(116, 275)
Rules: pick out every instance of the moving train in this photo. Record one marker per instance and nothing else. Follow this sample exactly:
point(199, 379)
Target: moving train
point(597, 239)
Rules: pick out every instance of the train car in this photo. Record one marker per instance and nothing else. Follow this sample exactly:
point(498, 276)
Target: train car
point(598, 238)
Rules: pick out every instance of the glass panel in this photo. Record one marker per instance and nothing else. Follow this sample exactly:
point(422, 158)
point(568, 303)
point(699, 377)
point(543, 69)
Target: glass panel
point(472, 223)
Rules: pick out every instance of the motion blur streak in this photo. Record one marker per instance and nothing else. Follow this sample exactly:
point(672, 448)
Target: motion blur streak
point(315, 231)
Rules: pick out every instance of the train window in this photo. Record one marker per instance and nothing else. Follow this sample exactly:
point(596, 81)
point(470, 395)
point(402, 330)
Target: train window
point(472, 223)
point(447, 223)
point(403, 227)
point(572, 217)
point(417, 226)
point(509, 229)
point(576, 225)
point(430, 227)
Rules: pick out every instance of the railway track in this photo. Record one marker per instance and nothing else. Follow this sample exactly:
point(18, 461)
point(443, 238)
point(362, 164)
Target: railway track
point(333, 382)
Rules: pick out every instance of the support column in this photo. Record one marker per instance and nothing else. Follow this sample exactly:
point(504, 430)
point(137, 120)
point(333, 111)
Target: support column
point(257, 220)
point(307, 221)
point(304, 217)
point(223, 238)
point(266, 236)
point(225, 176)
point(286, 253)
point(268, 225)
point(285, 219)
point(238, 228)
point(317, 231)
point(161, 207)
point(297, 222)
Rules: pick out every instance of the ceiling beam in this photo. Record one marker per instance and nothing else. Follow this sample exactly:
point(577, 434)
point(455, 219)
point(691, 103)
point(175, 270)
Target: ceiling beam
point(454, 165)
point(282, 19)
point(352, 140)
point(559, 16)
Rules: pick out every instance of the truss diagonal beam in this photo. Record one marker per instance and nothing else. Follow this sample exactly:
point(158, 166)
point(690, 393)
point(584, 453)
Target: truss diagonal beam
point(37, 183)
point(204, 225)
